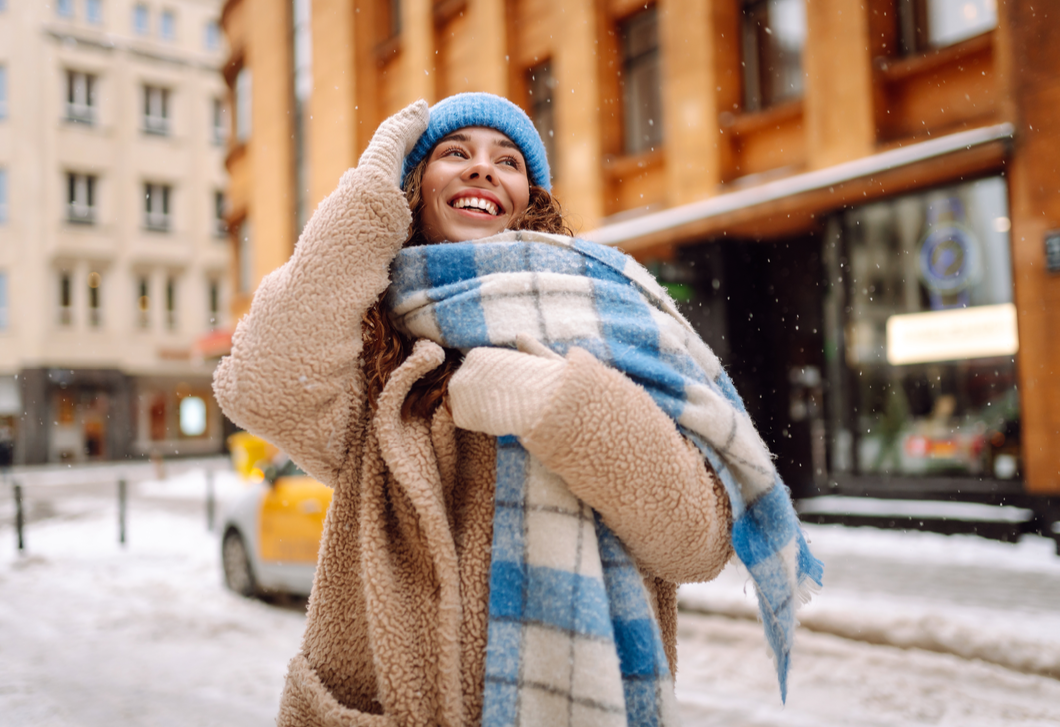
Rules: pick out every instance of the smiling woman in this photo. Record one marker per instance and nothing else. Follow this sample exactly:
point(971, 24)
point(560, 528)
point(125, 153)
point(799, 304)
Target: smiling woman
point(512, 512)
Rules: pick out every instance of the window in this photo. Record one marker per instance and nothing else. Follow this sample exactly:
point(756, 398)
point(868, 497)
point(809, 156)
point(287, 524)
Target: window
point(244, 266)
point(80, 97)
point(220, 227)
point(64, 8)
point(171, 303)
point(242, 105)
point(66, 313)
point(641, 97)
point(156, 206)
point(156, 110)
point(928, 383)
point(219, 121)
point(212, 36)
point(143, 302)
point(774, 33)
point(3, 195)
point(4, 314)
point(81, 198)
point(192, 413)
point(94, 11)
point(214, 304)
point(95, 313)
point(3, 92)
point(167, 26)
point(539, 85)
point(139, 19)
point(926, 24)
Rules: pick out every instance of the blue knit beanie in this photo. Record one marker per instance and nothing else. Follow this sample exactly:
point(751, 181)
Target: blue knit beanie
point(494, 112)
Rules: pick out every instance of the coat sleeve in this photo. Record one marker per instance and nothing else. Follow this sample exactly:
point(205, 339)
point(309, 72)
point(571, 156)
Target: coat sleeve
point(621, 454)
point(294, 375)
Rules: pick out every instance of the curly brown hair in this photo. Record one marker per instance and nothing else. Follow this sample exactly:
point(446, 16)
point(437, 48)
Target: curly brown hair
point(386, 348)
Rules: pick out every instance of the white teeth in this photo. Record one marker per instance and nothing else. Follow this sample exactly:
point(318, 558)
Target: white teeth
point(477, 203)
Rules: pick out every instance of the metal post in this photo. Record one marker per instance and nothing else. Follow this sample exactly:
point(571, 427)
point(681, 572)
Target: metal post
point(19, 518)
point(211, 501)
point(121, 511)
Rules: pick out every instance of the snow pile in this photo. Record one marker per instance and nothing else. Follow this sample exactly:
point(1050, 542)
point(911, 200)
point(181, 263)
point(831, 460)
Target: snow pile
point(958, 594)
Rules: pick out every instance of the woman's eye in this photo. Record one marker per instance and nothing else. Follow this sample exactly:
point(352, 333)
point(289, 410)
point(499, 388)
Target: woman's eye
point(454, 151)
point(511, 162)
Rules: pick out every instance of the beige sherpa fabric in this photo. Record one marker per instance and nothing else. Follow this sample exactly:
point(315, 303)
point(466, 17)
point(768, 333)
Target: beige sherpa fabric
point(396, 628)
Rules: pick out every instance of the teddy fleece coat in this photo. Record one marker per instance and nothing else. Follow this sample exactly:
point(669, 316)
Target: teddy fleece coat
point(396, 626)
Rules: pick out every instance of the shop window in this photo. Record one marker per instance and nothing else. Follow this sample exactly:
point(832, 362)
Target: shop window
point(156, 206)
point(192, 416)
point(143, 302)
point(156, 110)
point(241, 94)
point(926, 24)
point(641, 95)
point(81, 198)
point(95, 308)
point(94, 11)
point(66, 313)
point(923, 306)
point(772, 38)
point(80, 97)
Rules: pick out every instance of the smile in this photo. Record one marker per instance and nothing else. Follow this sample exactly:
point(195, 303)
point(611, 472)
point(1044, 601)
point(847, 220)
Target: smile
point(477, 203)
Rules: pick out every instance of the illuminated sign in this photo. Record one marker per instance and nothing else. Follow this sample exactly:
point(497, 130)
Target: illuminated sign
point(952, 335)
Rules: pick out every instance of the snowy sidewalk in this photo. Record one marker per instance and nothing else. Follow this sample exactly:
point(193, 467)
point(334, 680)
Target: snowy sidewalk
point(958, 594)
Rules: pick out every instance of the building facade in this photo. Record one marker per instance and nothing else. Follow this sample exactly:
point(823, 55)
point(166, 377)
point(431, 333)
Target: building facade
point(853, 200)
point(113, 251)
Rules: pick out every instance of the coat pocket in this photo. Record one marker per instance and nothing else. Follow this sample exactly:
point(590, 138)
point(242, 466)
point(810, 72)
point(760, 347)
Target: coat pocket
point(306, 702)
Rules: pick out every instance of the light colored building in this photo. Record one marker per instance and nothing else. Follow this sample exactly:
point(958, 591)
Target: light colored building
point(113, 250)
point(854, 200)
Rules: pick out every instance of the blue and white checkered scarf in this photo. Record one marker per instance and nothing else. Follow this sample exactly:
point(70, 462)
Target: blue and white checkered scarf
point(581, 585)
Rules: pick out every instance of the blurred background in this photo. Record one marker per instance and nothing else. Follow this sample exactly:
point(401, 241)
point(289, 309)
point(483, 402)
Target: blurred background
point(854, 202)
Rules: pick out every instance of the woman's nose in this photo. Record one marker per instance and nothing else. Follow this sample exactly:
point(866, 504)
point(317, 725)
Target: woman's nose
point(481, 167)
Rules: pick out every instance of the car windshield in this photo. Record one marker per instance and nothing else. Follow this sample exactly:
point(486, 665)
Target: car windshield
point(290, 469)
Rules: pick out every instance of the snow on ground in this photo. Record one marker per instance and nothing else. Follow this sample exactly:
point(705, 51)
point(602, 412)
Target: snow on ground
point(958, 594)
point(93, 634)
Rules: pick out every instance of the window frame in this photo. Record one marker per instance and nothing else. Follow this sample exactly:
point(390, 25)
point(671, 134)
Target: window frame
point(141, 19)
point(94, 11)
point(158, 220)
point(541, 107)
point(80, 104)
point(81, 198)
point(636, 63)
point(167, 24)
point(753, 96)
point(156, 118)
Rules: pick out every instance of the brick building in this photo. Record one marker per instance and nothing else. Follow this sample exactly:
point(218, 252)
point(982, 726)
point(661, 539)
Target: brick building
point(851, 199)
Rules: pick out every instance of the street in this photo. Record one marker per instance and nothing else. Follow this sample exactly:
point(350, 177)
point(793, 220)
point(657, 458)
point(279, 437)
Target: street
point(963, 631)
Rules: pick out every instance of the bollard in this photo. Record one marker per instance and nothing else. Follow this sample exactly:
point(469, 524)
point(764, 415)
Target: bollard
point(211, 501)
point(19, 518)
point(121, 511)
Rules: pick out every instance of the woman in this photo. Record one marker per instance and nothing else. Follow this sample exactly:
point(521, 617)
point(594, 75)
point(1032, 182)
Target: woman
point(509, 524)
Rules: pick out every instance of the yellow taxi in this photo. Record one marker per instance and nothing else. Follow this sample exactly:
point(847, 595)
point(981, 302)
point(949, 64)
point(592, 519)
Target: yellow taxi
point(271, 533)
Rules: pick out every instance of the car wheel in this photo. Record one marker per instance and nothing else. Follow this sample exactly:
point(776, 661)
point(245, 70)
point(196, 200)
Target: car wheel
point(236, 563)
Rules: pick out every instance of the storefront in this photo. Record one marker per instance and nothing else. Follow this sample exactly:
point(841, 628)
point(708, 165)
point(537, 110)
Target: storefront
point(877, 352)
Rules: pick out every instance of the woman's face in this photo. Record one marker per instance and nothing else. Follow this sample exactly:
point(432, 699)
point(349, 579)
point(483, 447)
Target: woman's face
point(475, 185)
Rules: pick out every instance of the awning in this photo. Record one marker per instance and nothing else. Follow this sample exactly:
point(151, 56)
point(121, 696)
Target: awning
point(669, 223)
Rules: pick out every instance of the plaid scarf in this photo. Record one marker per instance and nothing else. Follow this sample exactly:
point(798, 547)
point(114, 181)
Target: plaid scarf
point(569, 292)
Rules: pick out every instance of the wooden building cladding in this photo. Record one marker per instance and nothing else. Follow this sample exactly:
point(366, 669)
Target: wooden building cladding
point(871, 80)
